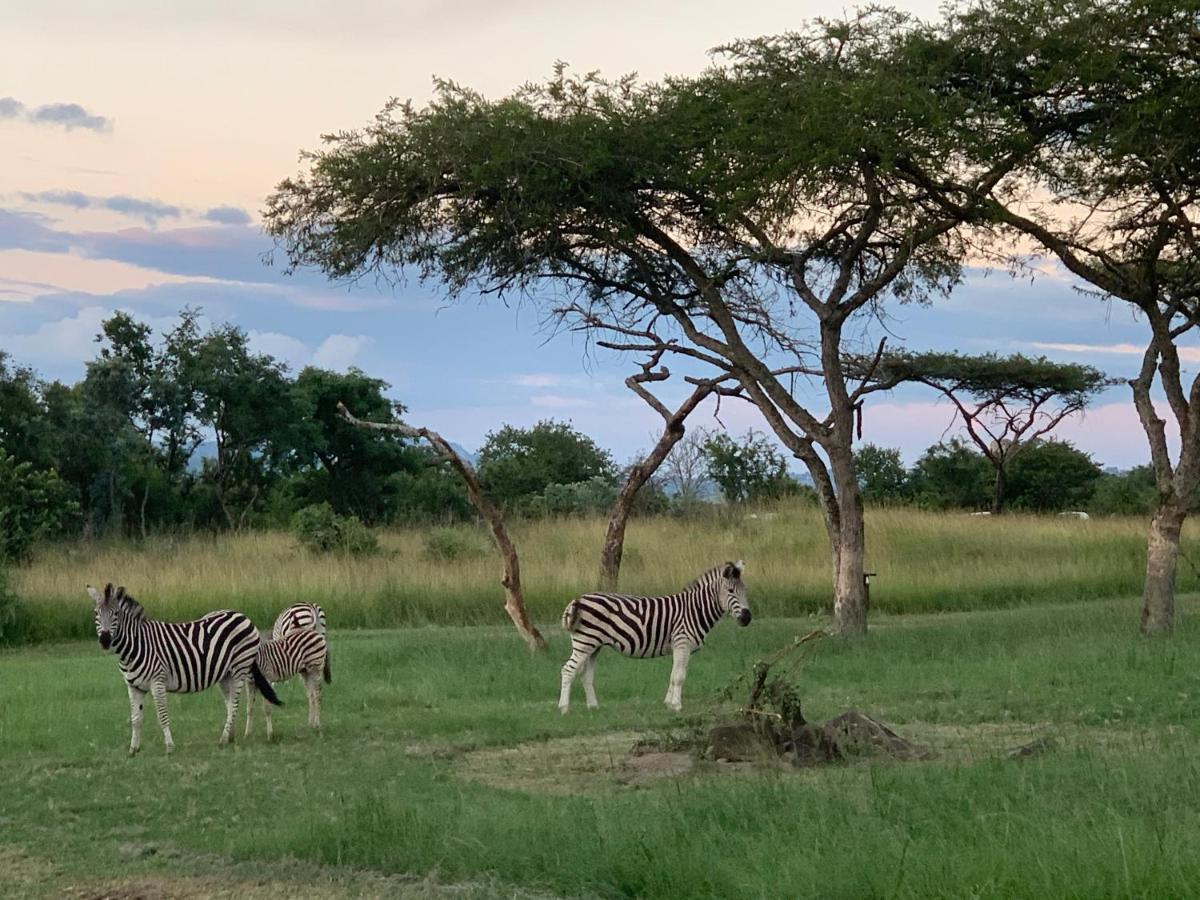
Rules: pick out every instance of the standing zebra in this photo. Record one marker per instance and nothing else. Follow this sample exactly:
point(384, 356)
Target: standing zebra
point(177, 657)
point(650, 626)
point(303, 617)
point(301, 652)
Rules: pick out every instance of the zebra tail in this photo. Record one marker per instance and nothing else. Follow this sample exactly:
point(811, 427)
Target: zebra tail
point(264, 686)
point(325, 671)
point(570, 616)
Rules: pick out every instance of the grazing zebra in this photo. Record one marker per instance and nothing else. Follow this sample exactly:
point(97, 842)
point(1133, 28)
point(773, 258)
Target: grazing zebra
point(302, 617)
point(177, 657)
point(302, 652)
point(650, 626)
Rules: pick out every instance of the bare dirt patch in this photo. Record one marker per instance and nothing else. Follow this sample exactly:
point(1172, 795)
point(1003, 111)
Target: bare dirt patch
point(596, 762)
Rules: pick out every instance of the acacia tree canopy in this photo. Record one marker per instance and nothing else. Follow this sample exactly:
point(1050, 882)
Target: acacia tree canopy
point(740, 218)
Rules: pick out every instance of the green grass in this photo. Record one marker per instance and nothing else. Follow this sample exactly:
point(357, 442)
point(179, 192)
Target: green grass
point(925, 562)
point(387, 789)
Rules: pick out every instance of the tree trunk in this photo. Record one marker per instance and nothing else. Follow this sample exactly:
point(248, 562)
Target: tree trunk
point(998, 491)
point(639, 474)
point(145, 497)
point(849, 587)
point(1162, 554)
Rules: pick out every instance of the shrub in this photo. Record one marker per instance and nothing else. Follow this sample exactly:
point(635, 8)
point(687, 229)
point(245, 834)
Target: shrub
point(34, 504)
point(450, 544)
point(12, 613)
point(320, 529)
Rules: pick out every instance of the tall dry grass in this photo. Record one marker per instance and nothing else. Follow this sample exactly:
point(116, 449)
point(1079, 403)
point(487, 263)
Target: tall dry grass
point(925, 561)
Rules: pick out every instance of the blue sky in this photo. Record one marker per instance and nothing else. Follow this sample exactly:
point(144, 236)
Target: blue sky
point(135, 185)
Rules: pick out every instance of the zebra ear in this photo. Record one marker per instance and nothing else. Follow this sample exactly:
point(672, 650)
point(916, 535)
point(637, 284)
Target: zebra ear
point(108, 591)
point(121, 593)
point(733, 570)
point(94, 594)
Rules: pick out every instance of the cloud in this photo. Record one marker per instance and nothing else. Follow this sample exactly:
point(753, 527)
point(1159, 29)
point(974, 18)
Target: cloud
point(1187, 354)
point(66, 340)
point(283, 347)
point(339, 350)
point(69, 115)
point(30, 231)
point(559, 401)
point(538, 380)
point(10, 107)
point(137, 207)
point(227, 215)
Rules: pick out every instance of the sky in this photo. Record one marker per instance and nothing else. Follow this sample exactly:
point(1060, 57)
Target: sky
point(140, 140)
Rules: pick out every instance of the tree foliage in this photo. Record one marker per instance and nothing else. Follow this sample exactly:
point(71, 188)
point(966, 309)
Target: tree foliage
point(517, 464)
point(748, 470)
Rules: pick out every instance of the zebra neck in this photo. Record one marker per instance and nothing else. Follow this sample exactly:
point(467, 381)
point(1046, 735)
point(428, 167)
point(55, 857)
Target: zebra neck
point(128, 635)
point(710, 612)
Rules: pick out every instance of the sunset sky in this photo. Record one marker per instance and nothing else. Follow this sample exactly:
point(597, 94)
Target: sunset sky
point(140, 140)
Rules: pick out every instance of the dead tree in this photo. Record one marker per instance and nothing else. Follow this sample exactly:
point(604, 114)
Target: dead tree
point(514, 599)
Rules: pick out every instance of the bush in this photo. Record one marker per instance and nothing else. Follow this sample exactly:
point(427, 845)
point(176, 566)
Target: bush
point(450, 544)
point(12, 613)
point(320, 529)
point(34, 504)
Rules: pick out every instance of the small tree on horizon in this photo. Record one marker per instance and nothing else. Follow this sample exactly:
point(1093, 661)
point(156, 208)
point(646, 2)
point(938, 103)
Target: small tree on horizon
point(1006, 403)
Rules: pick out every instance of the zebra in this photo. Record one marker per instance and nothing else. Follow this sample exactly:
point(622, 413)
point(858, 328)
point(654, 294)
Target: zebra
point(302, 617)
point(158, 657)
point(301, 652)
point(650, 626)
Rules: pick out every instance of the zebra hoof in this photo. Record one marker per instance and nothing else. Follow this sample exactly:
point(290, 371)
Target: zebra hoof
point(170, 749)
point(133, 751)
point(563, 709)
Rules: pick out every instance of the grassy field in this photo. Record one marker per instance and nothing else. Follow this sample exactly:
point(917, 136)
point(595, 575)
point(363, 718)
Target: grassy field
point(925, 562)
point(444, 770)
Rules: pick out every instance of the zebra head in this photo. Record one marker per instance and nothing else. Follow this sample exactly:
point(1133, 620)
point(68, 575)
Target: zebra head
point(107, 605)
point(733, 591)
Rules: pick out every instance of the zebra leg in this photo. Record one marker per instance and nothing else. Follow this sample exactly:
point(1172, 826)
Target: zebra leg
point(312, 681)
point(678, 674)
point(231, 687)
point(136, 700)
point(578, 658)
point(249, 706)
point(270, 724)
point(589, 681)
point(159, 691)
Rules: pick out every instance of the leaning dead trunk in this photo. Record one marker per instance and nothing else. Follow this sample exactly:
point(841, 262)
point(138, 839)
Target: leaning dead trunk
point(1162, 555)
point(514, 598)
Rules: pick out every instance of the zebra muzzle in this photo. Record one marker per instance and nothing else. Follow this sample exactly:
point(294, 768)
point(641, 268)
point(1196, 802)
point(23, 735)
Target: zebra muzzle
point(744, 617)
point(106, 639)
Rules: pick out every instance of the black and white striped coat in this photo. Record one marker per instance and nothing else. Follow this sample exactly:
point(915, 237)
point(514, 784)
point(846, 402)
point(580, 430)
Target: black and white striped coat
point(301, 652)
point(158, 657)
point(302, 617)
point(650, 626)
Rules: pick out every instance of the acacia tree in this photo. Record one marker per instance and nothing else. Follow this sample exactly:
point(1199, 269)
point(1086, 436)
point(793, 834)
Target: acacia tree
point(1006, 403)
point(1110, 93)
point(744, 220)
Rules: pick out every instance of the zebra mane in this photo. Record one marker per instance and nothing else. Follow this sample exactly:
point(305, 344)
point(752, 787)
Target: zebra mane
point(128, 605)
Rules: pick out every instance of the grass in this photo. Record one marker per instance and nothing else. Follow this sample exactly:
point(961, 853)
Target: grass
point(383, 801)
point(925, 562)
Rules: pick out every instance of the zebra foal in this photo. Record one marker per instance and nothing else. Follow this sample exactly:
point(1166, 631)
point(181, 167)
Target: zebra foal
point(650, 626)
point(300, 652)
point(302, 617)
point(158, 658)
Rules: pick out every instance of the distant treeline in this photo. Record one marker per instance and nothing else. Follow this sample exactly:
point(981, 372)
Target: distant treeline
point(119, 452)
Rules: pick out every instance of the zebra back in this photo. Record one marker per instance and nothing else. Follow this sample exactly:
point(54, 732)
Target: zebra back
point(299, 617)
